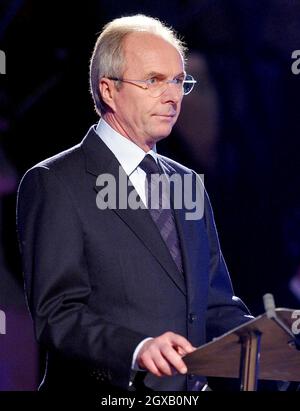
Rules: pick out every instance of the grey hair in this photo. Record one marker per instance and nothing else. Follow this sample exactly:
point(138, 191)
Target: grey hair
point(108, 57)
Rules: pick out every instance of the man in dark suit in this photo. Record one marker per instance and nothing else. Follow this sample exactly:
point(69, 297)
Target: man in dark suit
point(120, 294)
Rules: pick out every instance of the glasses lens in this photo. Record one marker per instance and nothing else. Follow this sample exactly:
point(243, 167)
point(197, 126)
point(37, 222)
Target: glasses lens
point(157, 89)
point(188, 84)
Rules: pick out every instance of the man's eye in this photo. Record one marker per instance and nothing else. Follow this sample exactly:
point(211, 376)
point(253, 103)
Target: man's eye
point(179, 81)
point(152, 81)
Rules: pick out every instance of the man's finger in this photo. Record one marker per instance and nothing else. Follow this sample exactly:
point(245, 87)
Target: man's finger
point(150, 366)
point(181, 344)
point(174, 359)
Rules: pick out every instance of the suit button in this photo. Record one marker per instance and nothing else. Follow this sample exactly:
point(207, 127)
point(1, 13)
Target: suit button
point(192, 317)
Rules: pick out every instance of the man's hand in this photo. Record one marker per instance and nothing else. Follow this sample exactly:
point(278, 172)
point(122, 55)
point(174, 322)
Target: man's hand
point(162, 355)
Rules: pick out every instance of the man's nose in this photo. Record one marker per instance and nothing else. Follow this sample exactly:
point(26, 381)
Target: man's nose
point(172, 93)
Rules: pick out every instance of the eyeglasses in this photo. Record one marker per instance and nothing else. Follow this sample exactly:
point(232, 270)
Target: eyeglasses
point(157, 87)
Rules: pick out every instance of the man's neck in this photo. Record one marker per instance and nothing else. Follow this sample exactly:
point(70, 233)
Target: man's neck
point(110, 119)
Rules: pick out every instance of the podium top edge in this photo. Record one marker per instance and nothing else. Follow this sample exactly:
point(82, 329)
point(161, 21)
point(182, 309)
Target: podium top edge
point(247, 323)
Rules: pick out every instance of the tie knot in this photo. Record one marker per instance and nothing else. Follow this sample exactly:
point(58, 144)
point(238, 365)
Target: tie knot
point(149, 165)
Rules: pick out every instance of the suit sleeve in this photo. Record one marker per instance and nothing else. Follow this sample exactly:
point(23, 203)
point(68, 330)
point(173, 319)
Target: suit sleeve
point(225, 310)
point(57, 280)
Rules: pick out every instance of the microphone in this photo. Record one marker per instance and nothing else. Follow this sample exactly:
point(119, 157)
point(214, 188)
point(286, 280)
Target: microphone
point(269, 305)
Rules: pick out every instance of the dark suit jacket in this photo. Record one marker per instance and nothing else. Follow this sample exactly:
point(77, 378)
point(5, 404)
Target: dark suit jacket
point(100, 281)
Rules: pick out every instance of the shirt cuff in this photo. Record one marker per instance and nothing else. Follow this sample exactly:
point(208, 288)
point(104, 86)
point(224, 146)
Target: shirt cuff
point(134, 364)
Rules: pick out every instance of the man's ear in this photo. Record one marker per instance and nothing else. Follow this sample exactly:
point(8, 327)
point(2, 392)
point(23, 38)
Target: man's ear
point(107, 91)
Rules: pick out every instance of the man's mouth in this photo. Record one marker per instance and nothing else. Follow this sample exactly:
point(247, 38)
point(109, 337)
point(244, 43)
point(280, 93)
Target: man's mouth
point(165, 115)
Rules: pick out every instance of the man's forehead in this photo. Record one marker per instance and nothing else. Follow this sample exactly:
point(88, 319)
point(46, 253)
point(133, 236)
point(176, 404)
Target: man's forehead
point(150, 51)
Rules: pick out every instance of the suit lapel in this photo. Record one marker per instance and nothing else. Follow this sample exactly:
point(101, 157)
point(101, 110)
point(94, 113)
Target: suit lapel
point(100, 160)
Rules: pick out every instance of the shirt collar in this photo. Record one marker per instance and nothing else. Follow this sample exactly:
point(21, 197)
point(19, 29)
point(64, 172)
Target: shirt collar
point(127, 153)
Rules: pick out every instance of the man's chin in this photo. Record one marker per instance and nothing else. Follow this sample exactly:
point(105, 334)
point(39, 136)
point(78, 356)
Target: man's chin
point(164, 133)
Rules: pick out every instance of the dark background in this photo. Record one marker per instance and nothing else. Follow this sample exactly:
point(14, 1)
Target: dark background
point(240, 127)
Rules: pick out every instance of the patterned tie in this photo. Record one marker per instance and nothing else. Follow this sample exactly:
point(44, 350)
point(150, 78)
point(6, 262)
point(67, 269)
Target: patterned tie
point(160, 210)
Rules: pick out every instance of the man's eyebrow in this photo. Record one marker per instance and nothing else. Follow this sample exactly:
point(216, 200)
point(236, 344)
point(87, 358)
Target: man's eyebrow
point(154, 74)
point(157, 74)
point(182, 74)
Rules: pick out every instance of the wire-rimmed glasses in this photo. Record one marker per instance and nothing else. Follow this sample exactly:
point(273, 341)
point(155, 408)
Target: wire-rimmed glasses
point(157, 87)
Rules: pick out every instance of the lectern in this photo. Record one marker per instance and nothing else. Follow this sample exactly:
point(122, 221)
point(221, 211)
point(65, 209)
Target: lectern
point(263, 348)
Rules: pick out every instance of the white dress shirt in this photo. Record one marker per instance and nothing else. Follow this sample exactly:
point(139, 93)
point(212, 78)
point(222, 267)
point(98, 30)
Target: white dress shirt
point(129, 156)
